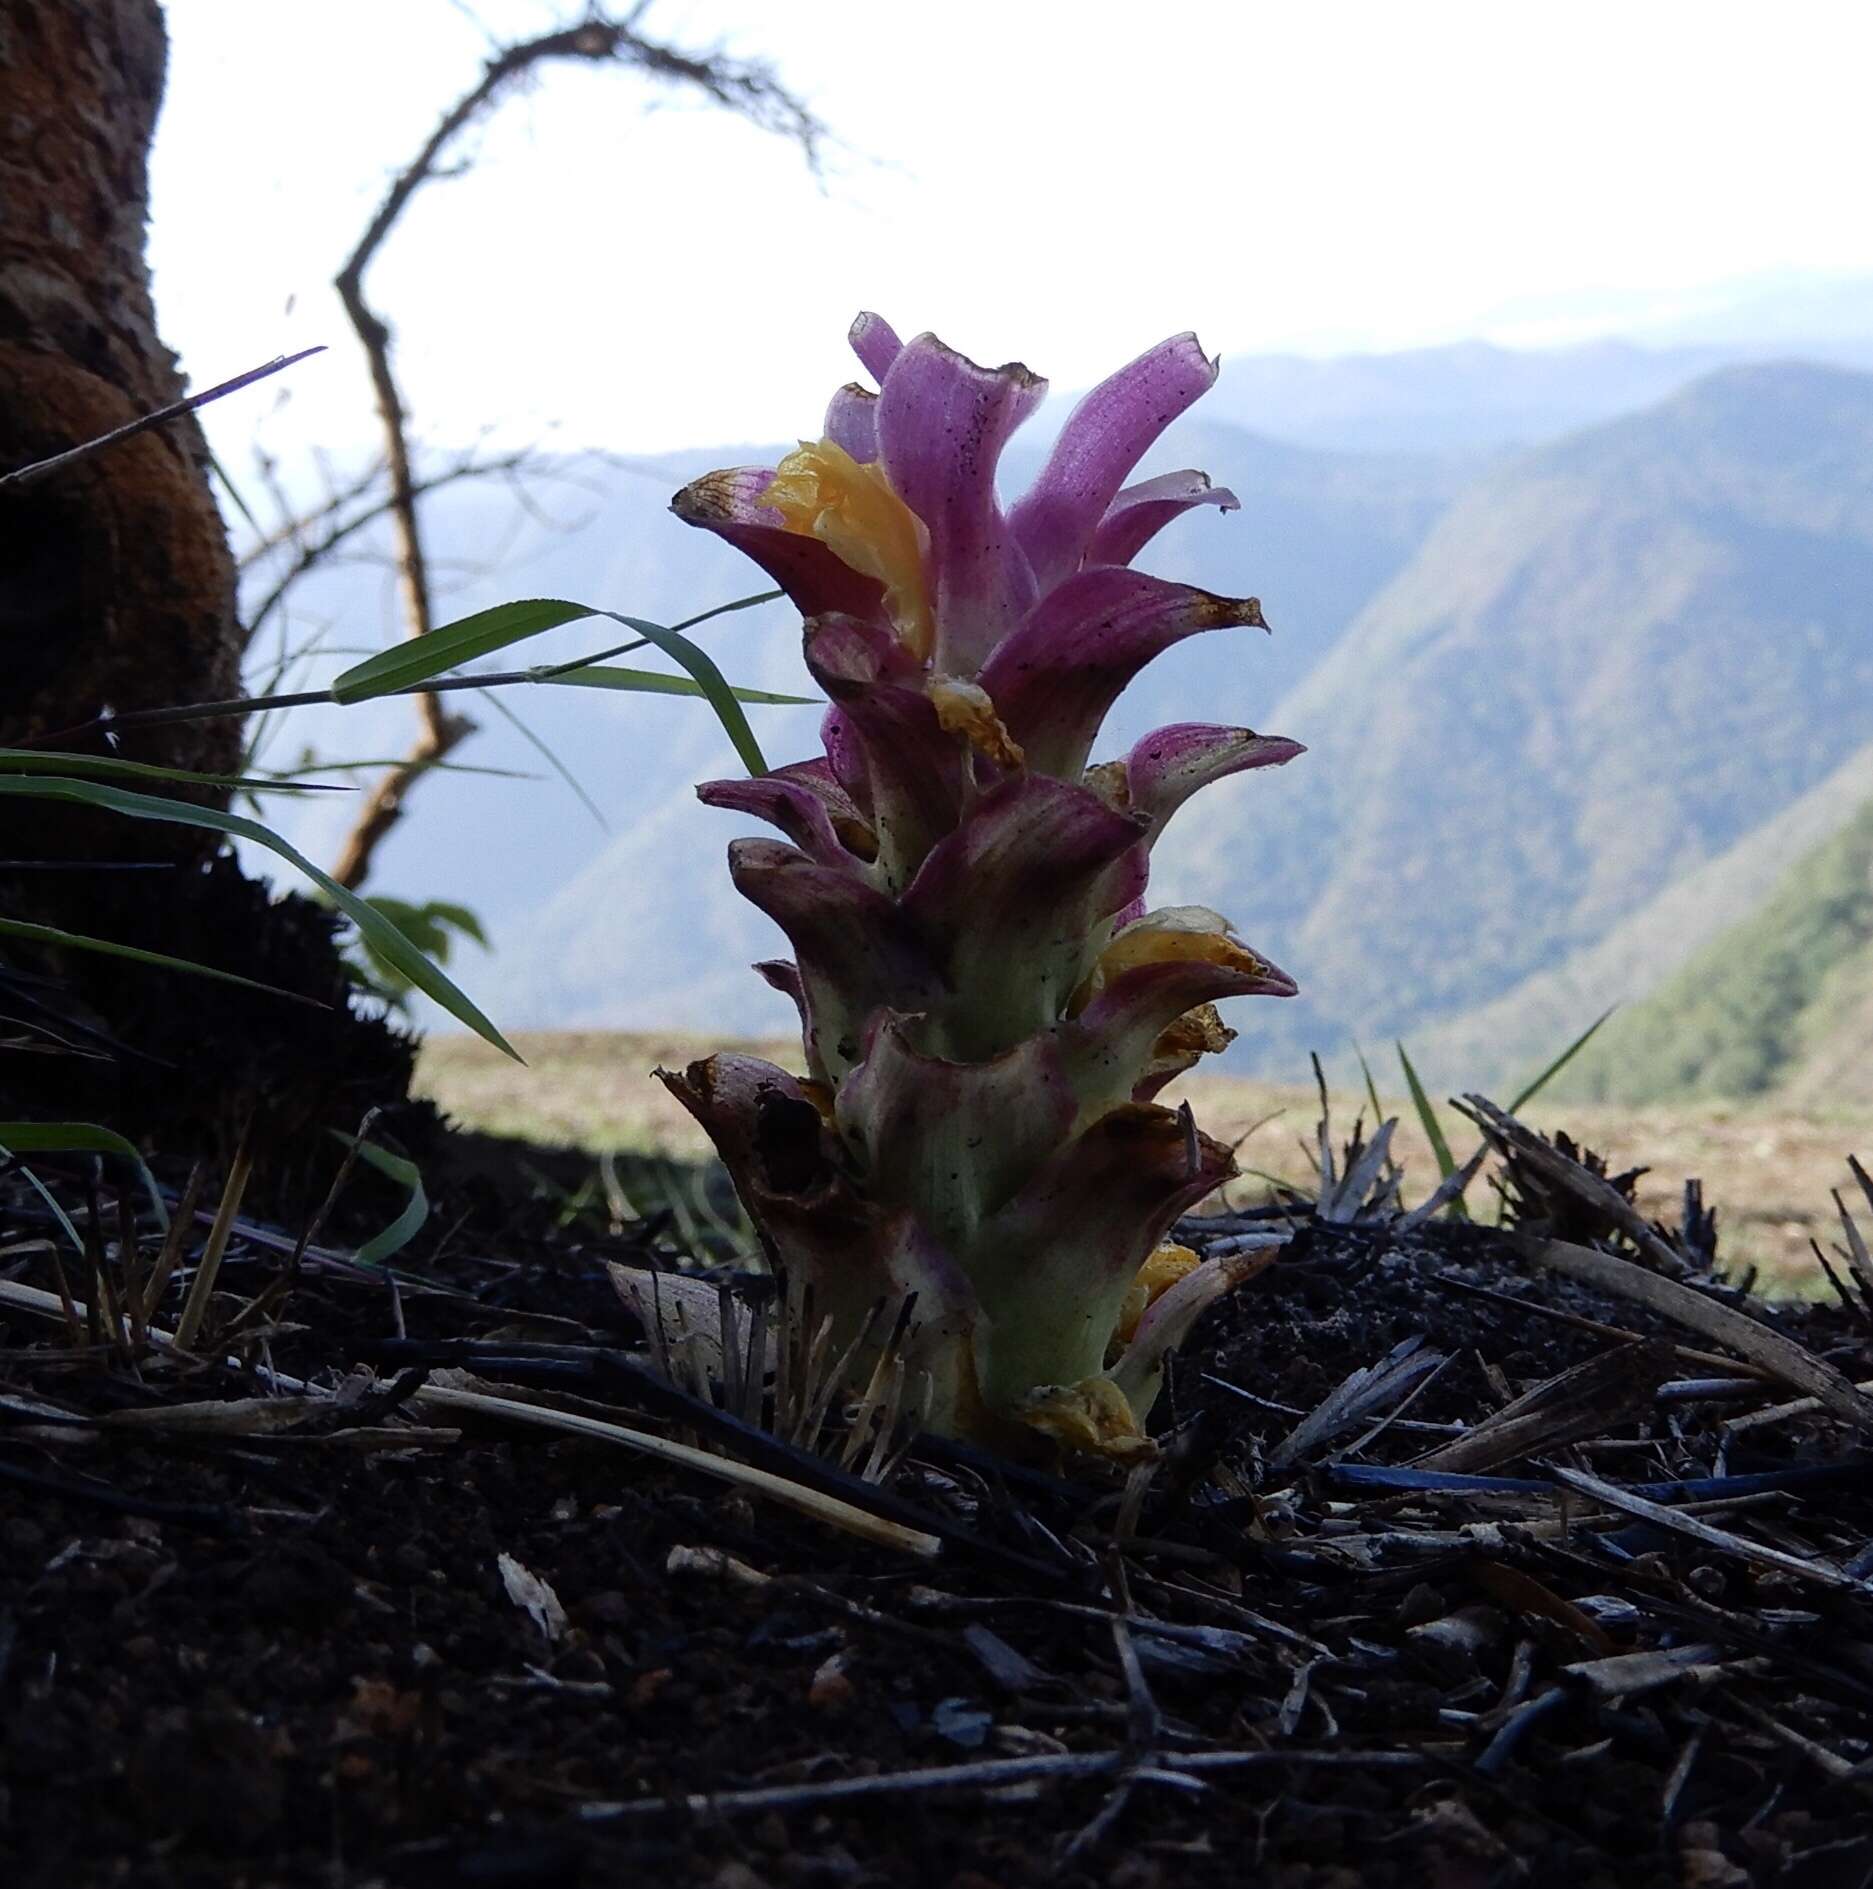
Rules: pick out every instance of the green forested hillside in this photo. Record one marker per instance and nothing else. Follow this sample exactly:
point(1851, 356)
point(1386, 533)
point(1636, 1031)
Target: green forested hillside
point(1762, 1008)
point(1519, 1033)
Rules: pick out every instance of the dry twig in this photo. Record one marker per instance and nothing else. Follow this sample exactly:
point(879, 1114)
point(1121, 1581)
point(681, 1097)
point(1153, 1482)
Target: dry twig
point(749, 90)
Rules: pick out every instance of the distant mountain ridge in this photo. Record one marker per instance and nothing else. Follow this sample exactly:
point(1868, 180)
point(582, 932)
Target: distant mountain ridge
point(1319, 534)
point(1548, 694)
point(1611, 659)
point(1472, 396)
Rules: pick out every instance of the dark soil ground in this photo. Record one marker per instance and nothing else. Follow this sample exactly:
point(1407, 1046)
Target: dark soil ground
point(321, 1652)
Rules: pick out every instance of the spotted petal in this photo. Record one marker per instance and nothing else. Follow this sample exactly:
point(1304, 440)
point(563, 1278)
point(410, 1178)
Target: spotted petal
point(729, 504)
point(1069, 1245)
point(1141, 511)
point(1104, 438)
point(1170, 764)
point(793, 807)
point(852, 422)
point(913, 770)
point(1108, 1048)
point(1055, 678)
point(942, 424)
point(952, 1141)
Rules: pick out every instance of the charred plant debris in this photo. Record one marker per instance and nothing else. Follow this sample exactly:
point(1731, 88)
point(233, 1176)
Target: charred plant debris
point(1471, 1554)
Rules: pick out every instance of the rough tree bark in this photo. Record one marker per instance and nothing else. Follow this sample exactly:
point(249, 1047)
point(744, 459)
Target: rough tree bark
point(116, 582)
point(117, 591)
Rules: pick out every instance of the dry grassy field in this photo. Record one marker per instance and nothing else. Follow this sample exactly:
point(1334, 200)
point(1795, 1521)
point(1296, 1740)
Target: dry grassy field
point(1767, 1173)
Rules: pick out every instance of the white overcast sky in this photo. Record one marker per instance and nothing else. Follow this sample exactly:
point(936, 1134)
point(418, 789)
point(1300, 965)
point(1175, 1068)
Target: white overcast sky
point(1062, 181)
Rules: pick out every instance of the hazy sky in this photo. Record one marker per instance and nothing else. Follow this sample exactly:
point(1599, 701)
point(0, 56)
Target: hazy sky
point(1060, 180)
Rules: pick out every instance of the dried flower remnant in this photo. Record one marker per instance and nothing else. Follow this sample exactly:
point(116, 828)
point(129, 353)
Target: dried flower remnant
point(987, 1006)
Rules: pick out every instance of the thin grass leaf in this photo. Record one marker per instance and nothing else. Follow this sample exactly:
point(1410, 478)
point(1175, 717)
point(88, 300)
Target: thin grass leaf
point(1433, 1130)
point(384, 937)
point(43, 468)
point(728, 609)
point(363, 682)
point(423, 658)
point(688, 623)
point(1372, 1088)
point(1560, 1062)
point(235, 497)
point(651, 682)
point(37, 760)
point(405, 1227)
point(76, 941)
point(395, 760)
point(57, 1212)
point(77, 1138)
point(713, 684)
point(539, 746)
point(450, 645)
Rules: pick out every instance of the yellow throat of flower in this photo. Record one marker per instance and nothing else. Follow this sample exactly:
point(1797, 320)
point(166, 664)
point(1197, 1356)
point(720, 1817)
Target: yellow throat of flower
point(822, 492)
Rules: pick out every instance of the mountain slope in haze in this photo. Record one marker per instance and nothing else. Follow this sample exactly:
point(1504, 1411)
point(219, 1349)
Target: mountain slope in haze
point(1473, 395)
point(1318, 535)
point(1778, 1000)
point(1327, 522)
point(1609, 661)
point(645, 930)
point(1520, 1032)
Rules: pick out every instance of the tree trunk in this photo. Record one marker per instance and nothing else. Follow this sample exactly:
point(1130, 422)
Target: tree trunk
point(117, 591)
point(116, 583)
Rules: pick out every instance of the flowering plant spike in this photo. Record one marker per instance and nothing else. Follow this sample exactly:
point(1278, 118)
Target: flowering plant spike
point(988, 1007)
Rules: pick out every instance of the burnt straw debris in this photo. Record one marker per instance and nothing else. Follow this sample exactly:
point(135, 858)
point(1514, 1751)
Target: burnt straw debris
point(1470, 1553)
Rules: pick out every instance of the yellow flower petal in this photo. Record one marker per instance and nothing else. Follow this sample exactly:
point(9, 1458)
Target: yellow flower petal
point(822, 492)
point(1178, 934)
point(1094, 1416)
point(1197, 1033)
point(1155, 1278)
point(964, 708)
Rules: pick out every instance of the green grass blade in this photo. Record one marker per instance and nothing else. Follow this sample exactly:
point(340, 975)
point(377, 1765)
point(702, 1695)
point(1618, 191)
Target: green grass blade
point(1561, 1061)
point(1433, 1129)
point(37, 760)
point(447, 647)
point(45, 1193)
point(712, 683)
point(688, 623)
point(76, 941)
point(235, 497)
point(405, 1227)
point(651, 682)
point(424, 658)
point(728, 609)
point(395, 760)
point(384, 937)
point(78, 1138)
point(1372, 1088)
